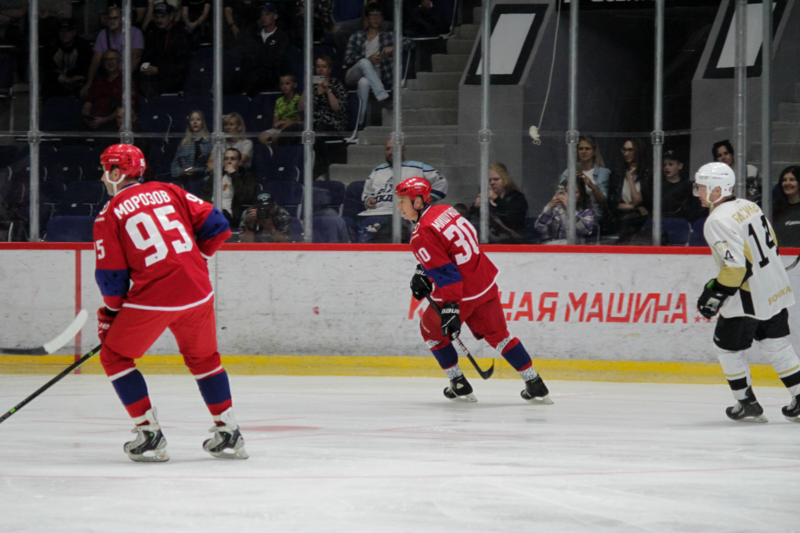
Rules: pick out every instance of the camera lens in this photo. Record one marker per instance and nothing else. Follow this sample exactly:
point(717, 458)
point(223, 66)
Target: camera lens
point(262, 213)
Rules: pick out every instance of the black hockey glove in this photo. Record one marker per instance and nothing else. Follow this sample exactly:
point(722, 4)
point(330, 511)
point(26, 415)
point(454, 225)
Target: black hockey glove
point(451, 319)
point(420, 284)
point(711, 299)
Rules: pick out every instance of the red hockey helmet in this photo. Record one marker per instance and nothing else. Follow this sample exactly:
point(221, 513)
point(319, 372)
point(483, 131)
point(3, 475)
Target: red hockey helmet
point(127, 157)
point(413, 187)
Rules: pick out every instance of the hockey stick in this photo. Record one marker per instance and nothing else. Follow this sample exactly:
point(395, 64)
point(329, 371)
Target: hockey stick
point(55, 344)
point(794, 264)
point(484, 374)
point(52, 382)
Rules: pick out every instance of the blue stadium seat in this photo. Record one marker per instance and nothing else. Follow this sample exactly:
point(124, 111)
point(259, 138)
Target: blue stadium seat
point(195, 186)
point(162, 114)
point(288, 163)
point(160, 158)
point(62, 113)
point(288, 194)
point(201, 73)
point(352, 199)
point(334, 198)
point(330, 230)
point(8, 154)
point(262, 162)
point(696, 237)
point(677, 230)
point(260, 112)
point(236, 103)
point(82, 157)
point(70, 229)
point(81, 198)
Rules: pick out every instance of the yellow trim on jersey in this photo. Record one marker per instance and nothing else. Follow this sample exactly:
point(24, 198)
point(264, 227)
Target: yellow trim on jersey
point(423, 366)
point(731, 276)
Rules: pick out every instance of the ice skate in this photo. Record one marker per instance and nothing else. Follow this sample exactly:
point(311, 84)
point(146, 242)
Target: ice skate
point(460, 391)
point(227, 442)
point(792, 411)
point(747, 410)
point(150, 445)
point(536, 392)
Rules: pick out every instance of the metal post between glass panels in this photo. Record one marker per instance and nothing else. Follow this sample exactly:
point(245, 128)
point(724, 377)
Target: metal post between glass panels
point(218, 135)
point(126, 136)
point(308, 133)
point(658, 123)
point(485, 135)
point(766, 115)
point(397, 136)
point(572, 134)
point(34, 135)
point(740, 131)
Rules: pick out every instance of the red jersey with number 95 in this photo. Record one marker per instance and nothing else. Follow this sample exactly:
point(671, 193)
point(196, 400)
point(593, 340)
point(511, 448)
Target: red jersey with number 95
point(446, 245)
point(151, 242)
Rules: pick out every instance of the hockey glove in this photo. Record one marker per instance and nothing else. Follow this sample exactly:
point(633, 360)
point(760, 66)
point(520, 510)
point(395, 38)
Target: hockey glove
point(711, 299)
point(421, 286)
point(104, 320)
point(451, 319)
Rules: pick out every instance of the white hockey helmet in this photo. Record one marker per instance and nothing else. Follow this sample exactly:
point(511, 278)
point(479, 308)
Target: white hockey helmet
point(714, 175)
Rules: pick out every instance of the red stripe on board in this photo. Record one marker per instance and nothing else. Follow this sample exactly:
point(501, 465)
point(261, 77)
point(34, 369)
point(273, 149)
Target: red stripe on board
point(78, 305)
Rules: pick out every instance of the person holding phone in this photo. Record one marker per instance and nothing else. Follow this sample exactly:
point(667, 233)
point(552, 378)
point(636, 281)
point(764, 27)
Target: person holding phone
point(552, 223)
point(370, 59)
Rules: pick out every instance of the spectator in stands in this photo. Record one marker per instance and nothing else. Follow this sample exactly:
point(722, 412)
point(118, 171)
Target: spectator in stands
point(265, 52)
point(677, 197)
point(112, 38)
point(507, 207)
point(330, 112)
point(323, 20)
point(630, 193)
point(139, 10)
point(287, 114)
point(192, 154)
point(177, 12)
point(370, 59)
point(345, 28)
point(722, 151)
point(195, 14)
point(238, 185)
point(51, 13)
point(165, 63)
point(65, 65)
point(239, 14)
point(105, 95)
point(552, 223)
point(233, 124)
point(266, 221)
point(786, 209)
point(375, 223)
point(592, 172)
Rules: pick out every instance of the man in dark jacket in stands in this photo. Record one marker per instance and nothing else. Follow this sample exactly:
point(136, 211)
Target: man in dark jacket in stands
point(65, 65)
point(265, 52)
point(165, 63)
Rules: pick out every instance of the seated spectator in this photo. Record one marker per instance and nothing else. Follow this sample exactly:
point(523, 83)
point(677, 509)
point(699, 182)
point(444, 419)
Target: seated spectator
point(195, 14)
point(592, 172)
point(330, 112)
point(370, 59)
point(786, 209)
point(238, 185)
point(722, 151)
point(287, 113)
point(139, 10)
point(65, 65)
point(233, 124)
point(105, 95)
point(375, 223)
point(630, 193)
point(165, 63)
point(176, 16)
point(111, 38)
point(264, 53)
point(552, 223)
point(677, 196)
point(266, 221)
point(238, 15)
point(507, 207)
point(345, 28)
point(192, 154)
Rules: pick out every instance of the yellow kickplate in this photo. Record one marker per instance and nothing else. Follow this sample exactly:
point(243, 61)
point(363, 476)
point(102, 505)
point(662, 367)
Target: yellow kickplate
point(317, 365)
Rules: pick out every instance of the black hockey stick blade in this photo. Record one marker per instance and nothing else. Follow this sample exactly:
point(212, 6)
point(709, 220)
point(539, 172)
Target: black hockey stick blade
point(54, 345)
point(485, 375)
point(52, 382)
point(794, 264)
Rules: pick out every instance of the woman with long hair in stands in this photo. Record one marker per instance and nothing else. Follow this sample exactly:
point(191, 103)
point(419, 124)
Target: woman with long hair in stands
point(233, 124)
point(192, 154)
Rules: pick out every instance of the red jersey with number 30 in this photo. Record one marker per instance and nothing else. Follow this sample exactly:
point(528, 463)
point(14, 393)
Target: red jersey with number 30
point(446, 245)
point(152, 241)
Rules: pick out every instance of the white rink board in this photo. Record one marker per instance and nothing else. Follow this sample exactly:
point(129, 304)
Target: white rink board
point(636, 307)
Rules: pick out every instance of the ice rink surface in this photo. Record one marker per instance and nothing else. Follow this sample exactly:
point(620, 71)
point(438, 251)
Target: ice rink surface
point(347, 454)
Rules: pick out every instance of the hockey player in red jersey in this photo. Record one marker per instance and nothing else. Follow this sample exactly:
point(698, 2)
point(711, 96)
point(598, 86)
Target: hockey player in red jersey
point(152, 241)
point(464, 285)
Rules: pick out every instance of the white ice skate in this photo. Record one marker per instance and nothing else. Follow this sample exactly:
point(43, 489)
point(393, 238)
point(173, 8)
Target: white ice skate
point(227, 442)
point(150, 445)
